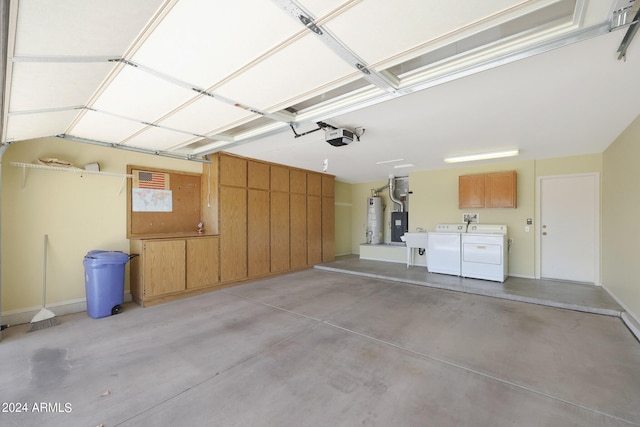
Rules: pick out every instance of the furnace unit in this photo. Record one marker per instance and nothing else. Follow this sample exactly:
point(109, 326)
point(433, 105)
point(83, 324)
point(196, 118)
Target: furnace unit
point(399, 225)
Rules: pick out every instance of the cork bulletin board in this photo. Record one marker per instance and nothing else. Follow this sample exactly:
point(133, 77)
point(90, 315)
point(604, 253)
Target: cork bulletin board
point(162, 202)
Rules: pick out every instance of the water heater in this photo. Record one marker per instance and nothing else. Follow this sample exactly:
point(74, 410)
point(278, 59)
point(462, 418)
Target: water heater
point(375, 221)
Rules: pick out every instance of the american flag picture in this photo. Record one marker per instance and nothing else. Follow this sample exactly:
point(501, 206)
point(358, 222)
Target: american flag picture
point(153, 180)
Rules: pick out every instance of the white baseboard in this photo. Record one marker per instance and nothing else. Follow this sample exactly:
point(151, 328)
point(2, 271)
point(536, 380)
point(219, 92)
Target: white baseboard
point(630, 319)
point(632, 324)
point(382, 259)
point(24, 315)
point(522, 276)
point(629, 312)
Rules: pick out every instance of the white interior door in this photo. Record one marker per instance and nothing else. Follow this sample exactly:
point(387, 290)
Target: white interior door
point(569, 227)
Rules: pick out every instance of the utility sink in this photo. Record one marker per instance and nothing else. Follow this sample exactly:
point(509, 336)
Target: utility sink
point(415, 240)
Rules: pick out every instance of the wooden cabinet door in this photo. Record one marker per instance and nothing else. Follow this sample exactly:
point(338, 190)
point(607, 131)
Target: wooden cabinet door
point(258, 175)
point(280, 235)
point(233, 233)
point(280, 178)
point(328, 229)
point(258, 232)
point(298, 220)
point(328, 185)
point(500, 190)
point(314, 184)
point(233, 171)
point(164, 267)
point(314, 230)
point(471, 191)
point(297, 181)
point(202, 262)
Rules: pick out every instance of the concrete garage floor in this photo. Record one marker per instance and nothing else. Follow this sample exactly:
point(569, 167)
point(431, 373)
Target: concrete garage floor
point(322, 348)
point(570, 295)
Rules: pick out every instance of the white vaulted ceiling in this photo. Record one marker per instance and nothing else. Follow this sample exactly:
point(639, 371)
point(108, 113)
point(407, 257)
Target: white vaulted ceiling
point(425, 79)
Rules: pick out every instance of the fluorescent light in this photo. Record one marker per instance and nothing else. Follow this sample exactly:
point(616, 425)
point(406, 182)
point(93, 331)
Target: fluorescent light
point(384, 162)
point(484, 156)
point(408, 165)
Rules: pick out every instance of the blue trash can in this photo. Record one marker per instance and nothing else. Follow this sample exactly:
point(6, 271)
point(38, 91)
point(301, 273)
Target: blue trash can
point(104, 282)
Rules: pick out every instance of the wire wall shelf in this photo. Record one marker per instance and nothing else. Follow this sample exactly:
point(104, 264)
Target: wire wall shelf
point(75, 170)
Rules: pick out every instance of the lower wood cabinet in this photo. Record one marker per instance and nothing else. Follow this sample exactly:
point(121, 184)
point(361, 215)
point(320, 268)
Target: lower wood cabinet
point(170, 268)
point(202, 262)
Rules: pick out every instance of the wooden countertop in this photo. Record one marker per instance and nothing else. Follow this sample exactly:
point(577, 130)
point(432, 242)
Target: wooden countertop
point(180, 235)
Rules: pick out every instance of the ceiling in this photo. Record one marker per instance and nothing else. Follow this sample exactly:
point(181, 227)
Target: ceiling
point(417, 80)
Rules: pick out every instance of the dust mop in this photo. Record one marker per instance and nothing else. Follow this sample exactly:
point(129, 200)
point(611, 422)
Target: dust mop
point(45, 318)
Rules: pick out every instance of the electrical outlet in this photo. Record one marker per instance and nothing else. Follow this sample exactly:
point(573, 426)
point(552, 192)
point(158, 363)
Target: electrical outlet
point(527, 228)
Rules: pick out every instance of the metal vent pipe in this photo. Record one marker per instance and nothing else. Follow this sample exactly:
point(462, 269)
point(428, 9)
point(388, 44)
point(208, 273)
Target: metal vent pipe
point(392, 196)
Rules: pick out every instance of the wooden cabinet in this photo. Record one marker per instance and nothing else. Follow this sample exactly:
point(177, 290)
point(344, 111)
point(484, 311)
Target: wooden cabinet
point(280, 235)
point(167, 268)
point(258, 224)
point(298, 218)
point(314, 230)
point(163, 264)
point(471, 191)
point(491, 190)
point(298, 229)
point(258, 233)
point(500, 190)
point(202, 262)
point(269, 219)
point(233, 171)
point(258, 175)
point(233, 233)
point(298, 181)
point(328, 185)
point(279, 178)
point(314, 184)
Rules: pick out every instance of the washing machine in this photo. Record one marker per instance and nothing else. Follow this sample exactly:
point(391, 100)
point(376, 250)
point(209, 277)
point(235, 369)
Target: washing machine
point(485, 252)
point(444, 249)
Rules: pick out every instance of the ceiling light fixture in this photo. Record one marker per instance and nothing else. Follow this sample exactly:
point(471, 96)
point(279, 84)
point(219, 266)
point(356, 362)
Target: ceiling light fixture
point(384, 162)
point(407, 165)
point(483, 156)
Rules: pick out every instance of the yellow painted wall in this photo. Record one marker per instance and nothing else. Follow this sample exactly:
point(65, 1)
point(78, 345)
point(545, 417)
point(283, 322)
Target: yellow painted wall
point(569, 165)
point(78, 213)
point(620, 207)
point(343, 218)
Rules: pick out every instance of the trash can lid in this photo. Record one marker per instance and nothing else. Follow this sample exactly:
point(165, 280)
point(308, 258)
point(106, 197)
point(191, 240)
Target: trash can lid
point(108, 257)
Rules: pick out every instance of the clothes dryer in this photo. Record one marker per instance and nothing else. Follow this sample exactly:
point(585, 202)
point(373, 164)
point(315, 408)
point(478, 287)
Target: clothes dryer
point(444, 251)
